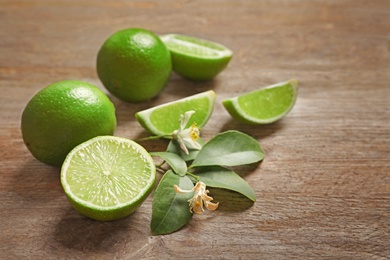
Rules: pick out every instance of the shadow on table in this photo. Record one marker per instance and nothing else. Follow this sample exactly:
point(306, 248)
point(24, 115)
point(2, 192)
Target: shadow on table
point(37, 188)
point(35, 183)
point(77, 232)
point(230, 200)
point(257, 131)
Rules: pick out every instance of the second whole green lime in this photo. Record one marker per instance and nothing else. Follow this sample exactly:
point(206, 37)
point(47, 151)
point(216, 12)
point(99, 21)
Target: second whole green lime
point(134, 65)
point(63, 115)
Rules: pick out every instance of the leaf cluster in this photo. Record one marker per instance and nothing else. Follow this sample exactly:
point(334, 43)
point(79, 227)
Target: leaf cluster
point(210, 164)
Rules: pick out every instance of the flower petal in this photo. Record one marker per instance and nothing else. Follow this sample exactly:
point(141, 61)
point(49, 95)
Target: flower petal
point(206, 197)
point(182, 144)
point(191, 144)
point(210, 205)
point(179, 190)
point(187, 116)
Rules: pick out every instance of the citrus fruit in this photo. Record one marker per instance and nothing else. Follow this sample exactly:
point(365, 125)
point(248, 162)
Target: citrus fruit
point(196, 58)
point(134, 65)
point(164, 119)
point(263, 106)
point(107, 177)
point(63, 115)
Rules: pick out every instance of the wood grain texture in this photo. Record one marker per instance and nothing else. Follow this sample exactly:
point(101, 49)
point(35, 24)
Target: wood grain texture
point(323, 190)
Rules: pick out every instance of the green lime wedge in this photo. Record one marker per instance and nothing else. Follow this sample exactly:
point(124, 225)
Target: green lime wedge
point(164, 119)
point(107, 177)
point(196, 58)
point(263, 106)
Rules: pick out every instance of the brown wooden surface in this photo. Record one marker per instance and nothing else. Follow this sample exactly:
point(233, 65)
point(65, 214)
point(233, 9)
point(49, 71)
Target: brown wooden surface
point(323, 190)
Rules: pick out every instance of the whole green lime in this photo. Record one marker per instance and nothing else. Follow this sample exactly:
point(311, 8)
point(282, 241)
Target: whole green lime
point(63, 115)
point(134, 65)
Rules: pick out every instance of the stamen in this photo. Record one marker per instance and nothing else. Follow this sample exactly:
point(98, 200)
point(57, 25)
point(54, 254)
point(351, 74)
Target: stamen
point(194, 134)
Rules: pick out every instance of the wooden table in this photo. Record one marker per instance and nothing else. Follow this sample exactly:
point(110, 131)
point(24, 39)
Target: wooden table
point(323, 190)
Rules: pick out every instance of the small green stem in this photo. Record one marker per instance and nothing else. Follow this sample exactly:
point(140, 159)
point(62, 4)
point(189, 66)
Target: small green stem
point(193, 175)
point(161, 164)
point(160, 169)
point(150, 138)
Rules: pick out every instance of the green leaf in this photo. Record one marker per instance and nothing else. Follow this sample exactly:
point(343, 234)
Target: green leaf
point(230, 148)
point(174, 147)
point(220, 177)
point(177, 163)
point(170, 210)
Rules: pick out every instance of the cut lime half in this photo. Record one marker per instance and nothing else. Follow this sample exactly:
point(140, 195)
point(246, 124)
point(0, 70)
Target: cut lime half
point(196, 58)
point(107, 177)
point(265, 105)
point(164, 119)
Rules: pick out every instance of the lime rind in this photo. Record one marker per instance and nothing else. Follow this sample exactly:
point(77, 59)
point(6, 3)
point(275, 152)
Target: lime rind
point(195, 47)
point(234, 105)
point(196, 58)
point(144, 117)
point(72, 185)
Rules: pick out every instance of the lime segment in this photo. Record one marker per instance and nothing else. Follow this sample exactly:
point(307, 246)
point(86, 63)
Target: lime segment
point(264, 106)
point(164, 119)
point(107, 178)
point(196, 58)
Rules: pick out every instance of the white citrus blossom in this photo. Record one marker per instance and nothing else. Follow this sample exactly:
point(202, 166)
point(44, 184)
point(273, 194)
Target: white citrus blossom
point(187, 136)
point(199, 199)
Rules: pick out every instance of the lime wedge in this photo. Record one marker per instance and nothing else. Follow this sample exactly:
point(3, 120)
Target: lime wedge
point(164, 119)
point(263, 106)
point(107, 177)
point(196, 58)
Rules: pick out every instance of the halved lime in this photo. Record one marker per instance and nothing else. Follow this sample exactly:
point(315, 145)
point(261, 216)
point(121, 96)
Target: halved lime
point(196, 58)
point(263, 106)
point(164, 119)
point(107, 177)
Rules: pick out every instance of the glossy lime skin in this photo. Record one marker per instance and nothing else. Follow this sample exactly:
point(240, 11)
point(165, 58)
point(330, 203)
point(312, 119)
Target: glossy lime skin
point(265, 105)
point(63, 115)
point(197, 68)
point(134, 65)
point(195, 58)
